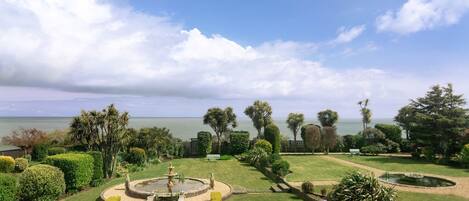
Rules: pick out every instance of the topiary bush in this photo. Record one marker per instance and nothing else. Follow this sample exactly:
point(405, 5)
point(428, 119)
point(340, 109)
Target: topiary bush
point(357, 186)
point(264, 145)
point(8, 187)
point(56, 150)
point(307, 187)
point(21, 164)
point(77, 168)
point(281, 167)
point(41, 183)
point(97, 167)
point(39, 152)
point(204, 143)
point(136, 156)
point(239, 142)
point(7, 164)
point(272, 134)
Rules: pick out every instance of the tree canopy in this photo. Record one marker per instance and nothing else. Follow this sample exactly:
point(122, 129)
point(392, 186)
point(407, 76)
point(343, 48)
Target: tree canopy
point(221, 121)
point(295, 121)
point(366, 113)
point(261, 115)
point(328, 118)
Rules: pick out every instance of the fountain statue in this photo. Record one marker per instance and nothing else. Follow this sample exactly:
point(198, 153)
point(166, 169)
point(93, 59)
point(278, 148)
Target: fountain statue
point(212, 180)
point(171, 174)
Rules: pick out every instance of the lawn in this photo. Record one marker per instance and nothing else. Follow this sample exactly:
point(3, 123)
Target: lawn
point(265, 196)
point(229, 171)
point(309, 167)
point(404, 164)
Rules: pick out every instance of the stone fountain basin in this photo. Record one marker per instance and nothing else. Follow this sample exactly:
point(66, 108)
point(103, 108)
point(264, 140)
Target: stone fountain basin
point(145, 188)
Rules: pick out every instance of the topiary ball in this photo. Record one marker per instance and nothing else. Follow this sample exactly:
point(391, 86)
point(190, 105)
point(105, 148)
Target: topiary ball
point(21, 164)
point(7, 164)
point(41, 182)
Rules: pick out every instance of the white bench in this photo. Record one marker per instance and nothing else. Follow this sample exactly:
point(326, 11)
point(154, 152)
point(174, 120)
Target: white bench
point(354, 151)
point(212, 157)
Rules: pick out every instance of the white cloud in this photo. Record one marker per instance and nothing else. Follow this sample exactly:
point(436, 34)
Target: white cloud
point(348, 35)
point(419, 15)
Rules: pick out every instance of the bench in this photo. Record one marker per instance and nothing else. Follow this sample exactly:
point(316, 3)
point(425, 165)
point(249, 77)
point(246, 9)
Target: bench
point(212, 157)
point(354, 151)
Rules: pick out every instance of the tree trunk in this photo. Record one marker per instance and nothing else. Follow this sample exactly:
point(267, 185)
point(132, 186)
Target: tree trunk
point(259, 134)
point(294, 140)
point(219, 144)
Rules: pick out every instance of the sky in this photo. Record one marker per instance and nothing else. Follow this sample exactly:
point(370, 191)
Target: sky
point(174, 58)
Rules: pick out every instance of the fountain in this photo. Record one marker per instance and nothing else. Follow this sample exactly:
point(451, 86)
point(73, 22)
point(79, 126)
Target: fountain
point(170, 176)
point(415, 180)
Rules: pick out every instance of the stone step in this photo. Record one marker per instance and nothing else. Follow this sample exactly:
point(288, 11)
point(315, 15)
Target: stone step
point(284, 187)
point(276, 189)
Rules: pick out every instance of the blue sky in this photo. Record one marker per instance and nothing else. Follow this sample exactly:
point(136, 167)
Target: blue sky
point(177, 58)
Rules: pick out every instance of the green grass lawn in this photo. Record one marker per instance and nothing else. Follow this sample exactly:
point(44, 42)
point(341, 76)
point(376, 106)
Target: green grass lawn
point(229, 171)
point(309, 167)
point(401, 164)
point(265, 196)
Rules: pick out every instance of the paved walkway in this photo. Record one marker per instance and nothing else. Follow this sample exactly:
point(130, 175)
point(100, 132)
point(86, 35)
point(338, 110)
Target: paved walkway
point(460, 189)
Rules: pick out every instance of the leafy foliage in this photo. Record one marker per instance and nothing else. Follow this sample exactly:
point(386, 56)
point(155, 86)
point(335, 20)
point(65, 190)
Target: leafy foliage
point(8, 188)
point(77, 168)
point(97, 167)
point(391, 132)
point(311, 135)
point(294, 122)
point(374, 149)
point(328, 118)
point(7, 164)
point(56, 150)
point(239, 142)
point(155, 141)
point(272, 134)
point(264, 145)
point(329, 137)
point(21, 164)
point(256, 155)
point(307, 187)
point(463, 156)
point(41, 183)
point(404, 118)
point(260, 113)
point(281, 167)
point(373, 136)
point(39, 152)
point(221, 121)
point(204, 143)
point(357, 186)
point(136, 156)
point(366, 113)
point(26, 138)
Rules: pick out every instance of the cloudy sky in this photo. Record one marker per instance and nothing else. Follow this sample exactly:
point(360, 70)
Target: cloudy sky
point(178, 58)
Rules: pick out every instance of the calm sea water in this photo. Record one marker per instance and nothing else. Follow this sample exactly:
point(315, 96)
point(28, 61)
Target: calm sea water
point(182, 127)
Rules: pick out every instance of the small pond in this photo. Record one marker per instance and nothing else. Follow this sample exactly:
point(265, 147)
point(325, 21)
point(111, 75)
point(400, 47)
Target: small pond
point(159, 185)
point(416, 180)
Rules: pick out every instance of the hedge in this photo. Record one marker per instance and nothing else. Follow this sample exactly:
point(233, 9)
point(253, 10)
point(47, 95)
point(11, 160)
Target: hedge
point(7, 164)
point(39, 152)
point(264, 145)
point(136, 156)
point(272, 134)
point(40, 183)
point(77, 168)
point(204, 143)
point(21, 164)
point(239, 142)
point(98, 167)
point(8, 187)
point(56, 150)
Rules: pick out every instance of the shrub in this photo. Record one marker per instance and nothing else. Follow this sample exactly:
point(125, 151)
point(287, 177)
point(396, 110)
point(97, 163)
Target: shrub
point(357, 186)
point(56, 150)
point(373, 136)
point(463, 156)
point(264, 145)
point(8, 187)
point(97, 167)
point(7, 164)
point(392, 147)
point(416, 153)
point(114, 198)
point(239, 142)
point(40, 183)
point(39, 152)
point(254, 156)
point(307, 187)
point(77, 168)
point(281, 167)
point(272, 134)
point(274, 157)
point(136, 156)
point(373, 149)
point(21, 164)
point(204, 143)
point(428, 153)
point(391, 132)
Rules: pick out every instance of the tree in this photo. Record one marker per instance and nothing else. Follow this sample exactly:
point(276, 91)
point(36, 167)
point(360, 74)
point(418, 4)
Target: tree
point(102, 131)
point(440, 120)
point(392, 132)
point(366, 113)
point(328, 118)
point(404, 118)
point(312, 136)
point(272, 134)
point(26, 138)
point(221, 121)
point(373, 136)
point(329, 137)
point(295, 121)
point(261, 115)
point(154, 141)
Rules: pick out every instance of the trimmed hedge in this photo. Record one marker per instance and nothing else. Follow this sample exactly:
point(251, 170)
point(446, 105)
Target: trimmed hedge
point(56, 150)
point(40, 183)
point(39, 152)
point(8, 187)
point(204, 143)
point(264, 145)
point(21, 164)
point(98, 167)
point(7, 164)
point(77, 168)
point(136, 156)
point(272, 134)
point(239, 142)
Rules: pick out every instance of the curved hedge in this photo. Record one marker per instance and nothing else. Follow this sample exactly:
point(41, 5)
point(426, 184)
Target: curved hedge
point(239, 141)
point(204, 143)
point(264, 145)
point(98, 174)
point(136, 156)
point(77, 168)
point(21, 164)
point(272, 134)
point(56, 150)
point(7, 164)
point(8, 187)
point(40, 183)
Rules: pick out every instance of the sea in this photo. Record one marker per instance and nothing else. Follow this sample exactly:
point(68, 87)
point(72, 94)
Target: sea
point(181, 127)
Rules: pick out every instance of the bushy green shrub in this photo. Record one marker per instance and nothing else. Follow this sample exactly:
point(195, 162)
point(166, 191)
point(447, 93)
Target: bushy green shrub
point(264, 145)
point(428, 153)
point(204, 143)
point(7, 164)
point(373, 149)
point(373, 136)
point(8, 187)
point(41, 183)
point(281, 167)
point(307, 187)
point(254, 156)
point(392, 147)
point(357, 186)
point(77, 168)
point(391, 132)
point(39, 152)
point(463, 156)
point(21, 164)
point(136, 156)
point(274, 157)
point(56, 150)
point(239, 142)
point(98, 167)
point(272, 134)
